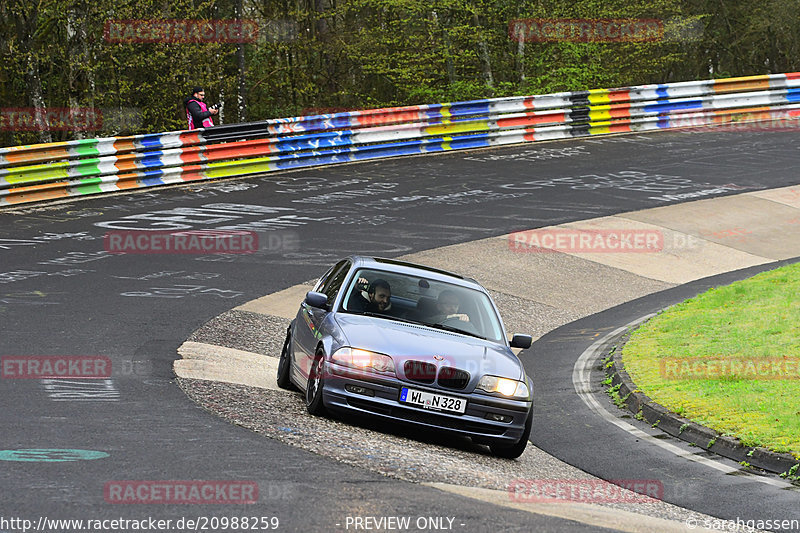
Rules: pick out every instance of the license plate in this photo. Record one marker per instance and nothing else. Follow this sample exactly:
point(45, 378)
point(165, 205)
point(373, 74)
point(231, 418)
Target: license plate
point(430, 400)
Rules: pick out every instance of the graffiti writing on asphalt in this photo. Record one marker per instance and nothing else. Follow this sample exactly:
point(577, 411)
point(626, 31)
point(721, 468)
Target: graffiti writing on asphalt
point(229, 187)
point(216, 215)
point(70, 272)
point(36, 217)
point(473, 196)
point(20, 275)
point(144, 199)
point(312, 183)
point(56, 214)
point(218, 258)
point(542, 154)
point(712, 191)
point(372, 189)
point(173, 273)
point(77, 258)
point(634, 139)
point(26, 298)
point(81, 390)
point(80, 236)
point(181, 291)
point(312, 256)
point(6, 244)
point(364, 220)
point(632, 180)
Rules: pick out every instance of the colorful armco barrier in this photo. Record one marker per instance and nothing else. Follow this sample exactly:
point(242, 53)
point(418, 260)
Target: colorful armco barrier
point(74, 168)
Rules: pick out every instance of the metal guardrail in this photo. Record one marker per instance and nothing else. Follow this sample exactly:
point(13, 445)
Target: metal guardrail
point(75, 168)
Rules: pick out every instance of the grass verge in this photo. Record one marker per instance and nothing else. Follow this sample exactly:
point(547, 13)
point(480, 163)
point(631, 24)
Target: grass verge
point(728, 359)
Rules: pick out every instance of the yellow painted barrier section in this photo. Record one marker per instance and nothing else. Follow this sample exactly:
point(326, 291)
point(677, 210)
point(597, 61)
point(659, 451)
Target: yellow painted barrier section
point(233, 168)
point(457, 127)
point(599, 96)
point(37, 173)
point(600, 114)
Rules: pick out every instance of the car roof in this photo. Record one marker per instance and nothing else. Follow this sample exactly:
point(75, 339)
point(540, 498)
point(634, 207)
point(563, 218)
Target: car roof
point(404, 267)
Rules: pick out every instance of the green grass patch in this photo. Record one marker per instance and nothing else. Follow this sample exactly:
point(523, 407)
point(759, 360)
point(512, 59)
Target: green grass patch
point(745, 323)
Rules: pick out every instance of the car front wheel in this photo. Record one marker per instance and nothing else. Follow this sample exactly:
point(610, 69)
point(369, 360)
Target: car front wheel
point(513, 451)
point(314, 403)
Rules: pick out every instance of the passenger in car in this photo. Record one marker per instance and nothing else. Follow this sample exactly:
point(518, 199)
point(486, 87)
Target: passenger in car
point(447, 306)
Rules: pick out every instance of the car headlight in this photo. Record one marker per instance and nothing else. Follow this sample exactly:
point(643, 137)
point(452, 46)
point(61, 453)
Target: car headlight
point(363, 360)
point(507, 387)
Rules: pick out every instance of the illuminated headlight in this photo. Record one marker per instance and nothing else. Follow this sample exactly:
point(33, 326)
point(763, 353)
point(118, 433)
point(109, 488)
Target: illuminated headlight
point(363, 360)
point(507, 387)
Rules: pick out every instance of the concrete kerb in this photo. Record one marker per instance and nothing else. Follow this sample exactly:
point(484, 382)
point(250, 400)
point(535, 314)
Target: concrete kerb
point(199, 360)
point(673, 424)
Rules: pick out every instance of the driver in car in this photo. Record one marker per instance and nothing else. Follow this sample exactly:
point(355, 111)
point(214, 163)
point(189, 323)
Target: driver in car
point(447, 307)
point(378, 298)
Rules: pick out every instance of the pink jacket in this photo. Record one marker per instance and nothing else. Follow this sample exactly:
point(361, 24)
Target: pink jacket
point(204, 115)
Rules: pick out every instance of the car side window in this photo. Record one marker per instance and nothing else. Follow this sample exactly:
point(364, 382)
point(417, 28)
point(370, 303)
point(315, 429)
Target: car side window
point(334, 281)
point(321, 281)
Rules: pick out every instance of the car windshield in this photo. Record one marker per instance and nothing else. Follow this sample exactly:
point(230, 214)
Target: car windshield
point(425, 301)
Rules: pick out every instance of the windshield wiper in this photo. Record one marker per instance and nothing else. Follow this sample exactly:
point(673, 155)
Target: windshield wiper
point(451, 328)
point(388, 317)
point(429, 324)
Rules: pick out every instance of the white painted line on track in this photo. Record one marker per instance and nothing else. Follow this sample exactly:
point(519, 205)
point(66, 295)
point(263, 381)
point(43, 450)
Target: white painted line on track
point(581, 374)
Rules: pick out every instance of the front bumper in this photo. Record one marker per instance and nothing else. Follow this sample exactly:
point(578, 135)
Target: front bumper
point(385, 404)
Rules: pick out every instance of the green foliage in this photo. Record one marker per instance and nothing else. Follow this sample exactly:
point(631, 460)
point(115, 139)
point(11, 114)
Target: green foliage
point(355, 54)
point(751, 322)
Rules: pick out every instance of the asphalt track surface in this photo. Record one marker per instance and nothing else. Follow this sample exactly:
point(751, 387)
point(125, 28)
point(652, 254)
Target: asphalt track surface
point(62, 294)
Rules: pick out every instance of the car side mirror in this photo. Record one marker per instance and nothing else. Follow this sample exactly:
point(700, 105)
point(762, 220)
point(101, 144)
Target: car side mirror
point(521, 341)
point(317, 299)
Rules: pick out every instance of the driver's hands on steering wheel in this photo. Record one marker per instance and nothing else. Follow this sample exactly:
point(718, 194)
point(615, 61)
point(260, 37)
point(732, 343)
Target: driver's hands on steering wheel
point(459, 316)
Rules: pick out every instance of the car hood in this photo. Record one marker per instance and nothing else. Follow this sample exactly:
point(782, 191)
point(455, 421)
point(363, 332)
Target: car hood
point(415, 342)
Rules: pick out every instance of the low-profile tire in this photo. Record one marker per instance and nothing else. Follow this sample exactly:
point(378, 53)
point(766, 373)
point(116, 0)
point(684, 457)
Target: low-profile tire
point(316, 380)
point(284, 364)
point(512, 451)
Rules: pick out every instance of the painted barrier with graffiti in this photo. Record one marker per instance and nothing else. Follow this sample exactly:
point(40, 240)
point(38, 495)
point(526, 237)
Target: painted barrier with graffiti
point(74, 168)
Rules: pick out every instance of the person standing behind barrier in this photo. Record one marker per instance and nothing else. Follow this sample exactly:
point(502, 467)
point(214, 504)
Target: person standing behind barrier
point(197, 113)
